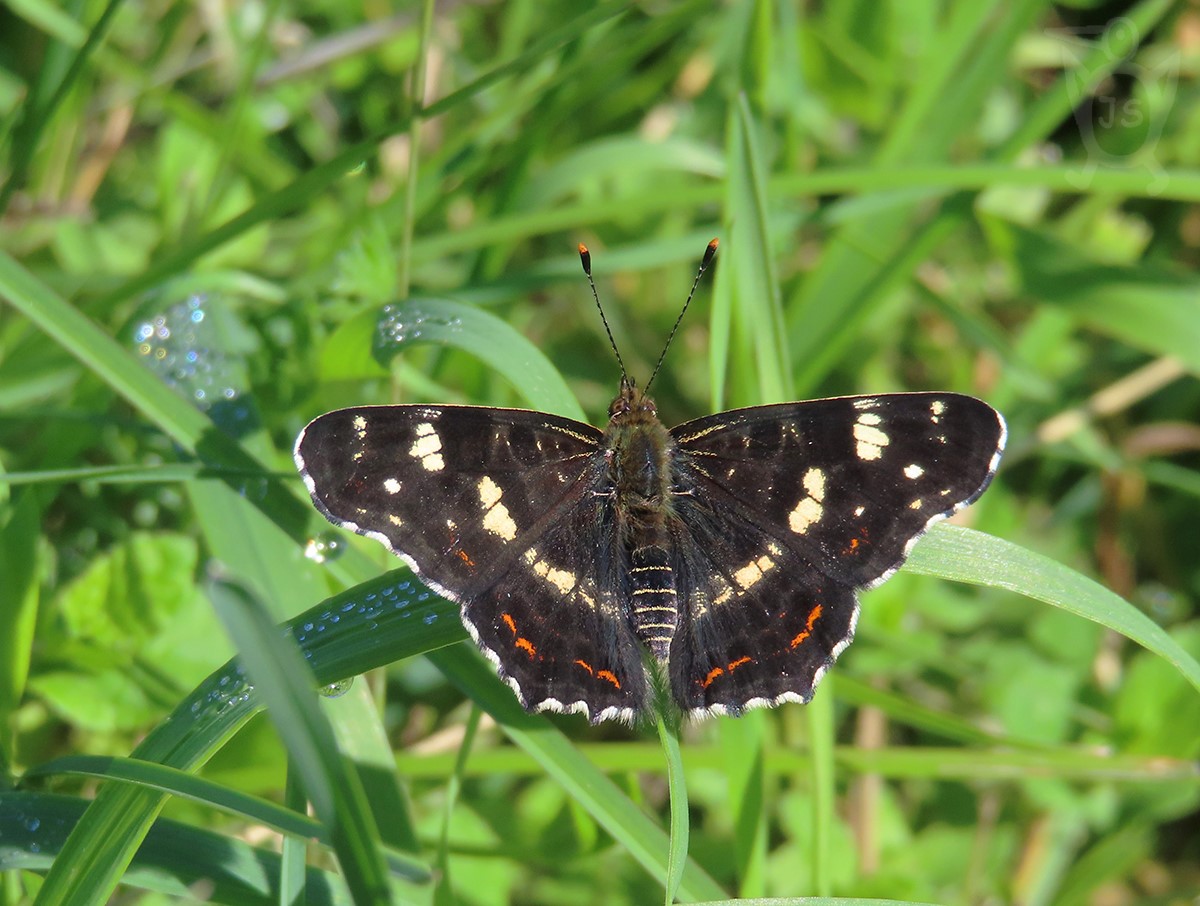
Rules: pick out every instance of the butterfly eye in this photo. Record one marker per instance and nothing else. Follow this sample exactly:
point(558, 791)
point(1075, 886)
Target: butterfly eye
point(619, 406)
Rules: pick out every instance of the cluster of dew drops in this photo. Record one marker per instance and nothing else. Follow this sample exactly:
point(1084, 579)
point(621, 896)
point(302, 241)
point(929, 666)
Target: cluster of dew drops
point(174, 345)
point(402, 323)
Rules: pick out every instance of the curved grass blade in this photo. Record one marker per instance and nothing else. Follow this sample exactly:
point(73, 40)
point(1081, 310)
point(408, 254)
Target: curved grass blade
point(964, 555)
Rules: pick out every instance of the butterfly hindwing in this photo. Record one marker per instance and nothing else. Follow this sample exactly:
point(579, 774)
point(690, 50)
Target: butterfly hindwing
point(759, 624)
point(556, 624)
point(495, 509)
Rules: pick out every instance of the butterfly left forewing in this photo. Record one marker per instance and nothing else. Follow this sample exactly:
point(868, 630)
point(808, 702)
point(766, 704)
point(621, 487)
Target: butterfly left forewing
point(849, 483)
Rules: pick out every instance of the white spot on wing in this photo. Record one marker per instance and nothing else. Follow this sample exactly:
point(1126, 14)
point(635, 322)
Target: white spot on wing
point(489, 492)
point(391, 486)
point(426, 448)
point(500, 523)
point(869, 439)
point(814, 483)
point(913, 471)
point(807, 512)
point(753, 571)
point(810, 509)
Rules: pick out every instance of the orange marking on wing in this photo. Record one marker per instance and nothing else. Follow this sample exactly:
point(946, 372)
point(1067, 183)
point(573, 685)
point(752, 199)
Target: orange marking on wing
point(610, 676)
point(509, 622)
point(712, 675)
point(813, 616)
point(735, 664)
point(527, 646)
point(465, 558)
point(586, 666)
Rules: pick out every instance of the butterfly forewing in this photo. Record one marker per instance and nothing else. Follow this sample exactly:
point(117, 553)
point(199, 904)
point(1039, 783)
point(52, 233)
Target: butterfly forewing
point(495, 509)
point(784, 511)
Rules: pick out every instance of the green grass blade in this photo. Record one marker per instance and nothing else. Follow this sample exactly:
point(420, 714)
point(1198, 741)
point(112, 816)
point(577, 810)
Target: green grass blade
point(641, 836)
point(668, 736)
point(963, 555)
point(286, 685)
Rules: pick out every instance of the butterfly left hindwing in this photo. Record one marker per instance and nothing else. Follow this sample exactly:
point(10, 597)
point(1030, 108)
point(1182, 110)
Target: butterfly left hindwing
point(495, 509)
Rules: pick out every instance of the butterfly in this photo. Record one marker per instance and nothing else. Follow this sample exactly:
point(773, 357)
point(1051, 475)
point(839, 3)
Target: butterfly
point(726, 553)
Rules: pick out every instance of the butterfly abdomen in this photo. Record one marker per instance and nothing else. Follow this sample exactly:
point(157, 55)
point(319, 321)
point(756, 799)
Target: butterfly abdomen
point(653, 599)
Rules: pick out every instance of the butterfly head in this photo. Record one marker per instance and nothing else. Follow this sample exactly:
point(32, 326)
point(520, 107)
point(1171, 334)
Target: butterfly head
point(632, 405)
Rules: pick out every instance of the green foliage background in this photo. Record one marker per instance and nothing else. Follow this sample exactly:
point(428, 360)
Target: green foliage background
point(218, 222)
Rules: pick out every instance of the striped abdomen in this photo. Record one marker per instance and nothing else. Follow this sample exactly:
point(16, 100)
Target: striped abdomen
point(653, 603)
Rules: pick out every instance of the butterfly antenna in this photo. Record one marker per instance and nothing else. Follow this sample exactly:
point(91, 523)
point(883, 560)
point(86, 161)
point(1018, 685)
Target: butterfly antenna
point(586, 258)
point(709, 254)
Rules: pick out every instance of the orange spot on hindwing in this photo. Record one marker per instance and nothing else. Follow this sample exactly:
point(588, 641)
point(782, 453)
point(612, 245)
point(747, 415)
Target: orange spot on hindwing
point(813, 616)
point(606, 675)
point(728, 668)
point(520, 641)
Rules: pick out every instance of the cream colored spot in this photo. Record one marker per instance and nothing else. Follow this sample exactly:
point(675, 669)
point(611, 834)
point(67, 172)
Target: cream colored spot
point(915, 505)
point(395, 520)
point(360, 426)
point(426, 448)
point(870, 418)
point(563, 580)
point(719, 592)
point(391, 486)
point(356, 455)
point(814, 483)
point(913, 471)
point(868, 403)
point(937, 407)
point(859, 510)
point(807, 512)
point(749, 574)
point(498, 522)
point(870, 440)
point(489, 492)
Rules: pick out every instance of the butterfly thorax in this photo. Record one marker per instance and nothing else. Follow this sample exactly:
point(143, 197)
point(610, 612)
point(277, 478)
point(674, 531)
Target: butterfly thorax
point(637, 449)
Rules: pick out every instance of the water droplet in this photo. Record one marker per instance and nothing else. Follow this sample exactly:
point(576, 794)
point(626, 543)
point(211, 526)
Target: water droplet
point(324, 547)
point(341, 687)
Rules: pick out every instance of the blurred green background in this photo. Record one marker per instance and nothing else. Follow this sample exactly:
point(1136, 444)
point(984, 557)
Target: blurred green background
point(218, 221)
